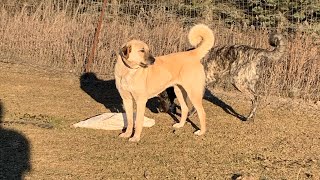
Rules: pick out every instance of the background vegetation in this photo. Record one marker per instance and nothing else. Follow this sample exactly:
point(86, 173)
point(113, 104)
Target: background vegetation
point(59, 34)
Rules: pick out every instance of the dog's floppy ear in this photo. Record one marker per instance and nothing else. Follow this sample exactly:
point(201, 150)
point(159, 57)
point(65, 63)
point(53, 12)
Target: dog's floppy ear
point(125, 51)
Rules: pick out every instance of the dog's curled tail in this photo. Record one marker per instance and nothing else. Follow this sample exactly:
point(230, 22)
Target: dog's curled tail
point(277, 41)
point(201, 37)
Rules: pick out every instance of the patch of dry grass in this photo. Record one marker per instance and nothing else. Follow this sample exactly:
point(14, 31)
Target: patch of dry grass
point(57, 37)
point(282, 143)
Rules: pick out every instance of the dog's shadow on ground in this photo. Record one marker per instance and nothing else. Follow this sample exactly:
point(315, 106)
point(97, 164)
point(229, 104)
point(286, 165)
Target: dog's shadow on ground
point(227, 108)
point(208, 96)
point(168, 97)
point(106, 93)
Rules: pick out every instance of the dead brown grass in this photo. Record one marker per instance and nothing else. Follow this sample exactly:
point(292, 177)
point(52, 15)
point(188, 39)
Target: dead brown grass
point(282, 143)
point(56, 37)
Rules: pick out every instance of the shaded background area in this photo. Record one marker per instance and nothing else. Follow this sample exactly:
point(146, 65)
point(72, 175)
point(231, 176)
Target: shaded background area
point(102, 91)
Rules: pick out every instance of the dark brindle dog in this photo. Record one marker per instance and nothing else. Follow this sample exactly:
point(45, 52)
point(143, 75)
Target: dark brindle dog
point(237, 64)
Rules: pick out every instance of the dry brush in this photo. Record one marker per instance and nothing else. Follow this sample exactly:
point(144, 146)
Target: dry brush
point(49, 36)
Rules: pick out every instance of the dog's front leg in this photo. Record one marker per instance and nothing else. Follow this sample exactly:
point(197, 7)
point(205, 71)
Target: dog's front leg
point(141, 106)
point(128, 106)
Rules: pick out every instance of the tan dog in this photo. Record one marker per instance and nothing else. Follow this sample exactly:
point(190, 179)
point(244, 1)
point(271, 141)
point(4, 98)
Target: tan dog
point(139, 77)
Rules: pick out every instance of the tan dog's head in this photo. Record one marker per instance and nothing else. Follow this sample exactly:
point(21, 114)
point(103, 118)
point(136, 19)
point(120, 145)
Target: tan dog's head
point(135, 54)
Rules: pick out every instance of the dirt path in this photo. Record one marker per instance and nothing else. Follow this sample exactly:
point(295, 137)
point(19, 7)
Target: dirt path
point(40, 104)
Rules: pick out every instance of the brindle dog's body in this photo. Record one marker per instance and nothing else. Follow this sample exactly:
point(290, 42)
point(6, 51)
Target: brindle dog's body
point(237, 64)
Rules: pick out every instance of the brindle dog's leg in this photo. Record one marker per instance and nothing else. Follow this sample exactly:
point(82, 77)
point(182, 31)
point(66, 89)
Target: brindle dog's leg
point(192, 110)
point(254, 100)
point(250, 91)
point(167, 101)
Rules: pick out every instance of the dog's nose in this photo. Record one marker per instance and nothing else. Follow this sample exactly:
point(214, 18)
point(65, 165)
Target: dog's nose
point(151, 60)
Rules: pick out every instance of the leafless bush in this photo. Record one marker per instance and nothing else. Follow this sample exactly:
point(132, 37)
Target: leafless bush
point(60, 38)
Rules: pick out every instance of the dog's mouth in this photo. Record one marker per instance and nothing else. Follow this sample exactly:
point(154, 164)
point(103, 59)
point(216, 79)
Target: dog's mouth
point(143, 65)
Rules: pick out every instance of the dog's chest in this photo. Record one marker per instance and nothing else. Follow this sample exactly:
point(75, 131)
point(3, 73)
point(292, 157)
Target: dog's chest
point(126, 83)
point(130, 83)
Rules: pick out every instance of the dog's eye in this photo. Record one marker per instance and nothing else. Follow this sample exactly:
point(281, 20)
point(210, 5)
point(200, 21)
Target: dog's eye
point(142, 50)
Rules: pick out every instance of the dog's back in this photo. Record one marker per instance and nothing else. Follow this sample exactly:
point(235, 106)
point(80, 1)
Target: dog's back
point(202, 38)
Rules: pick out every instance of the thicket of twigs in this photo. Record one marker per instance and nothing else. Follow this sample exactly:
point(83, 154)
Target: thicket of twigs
point(59, 34)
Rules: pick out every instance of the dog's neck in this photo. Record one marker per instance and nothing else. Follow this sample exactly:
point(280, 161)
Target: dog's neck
point(125, 62)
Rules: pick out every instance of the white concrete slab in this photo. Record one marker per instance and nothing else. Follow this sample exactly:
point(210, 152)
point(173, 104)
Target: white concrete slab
point(110, 121)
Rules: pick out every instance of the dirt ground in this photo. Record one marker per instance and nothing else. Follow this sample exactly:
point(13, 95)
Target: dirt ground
point(37, 140)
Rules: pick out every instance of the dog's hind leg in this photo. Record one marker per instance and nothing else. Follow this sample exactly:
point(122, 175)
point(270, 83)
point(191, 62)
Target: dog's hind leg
point(248, 87)
point(254, 100)
point(250, 91)
point(196, 96)
point(181, 95)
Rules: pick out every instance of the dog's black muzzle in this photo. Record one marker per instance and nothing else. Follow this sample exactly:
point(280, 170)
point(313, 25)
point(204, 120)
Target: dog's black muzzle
point(149, 61)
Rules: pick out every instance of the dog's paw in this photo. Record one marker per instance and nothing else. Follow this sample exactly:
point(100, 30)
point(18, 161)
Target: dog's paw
point(134, 139)
point(125, 135)
point(248, 119)
point(178, 125)
point(199, 133)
